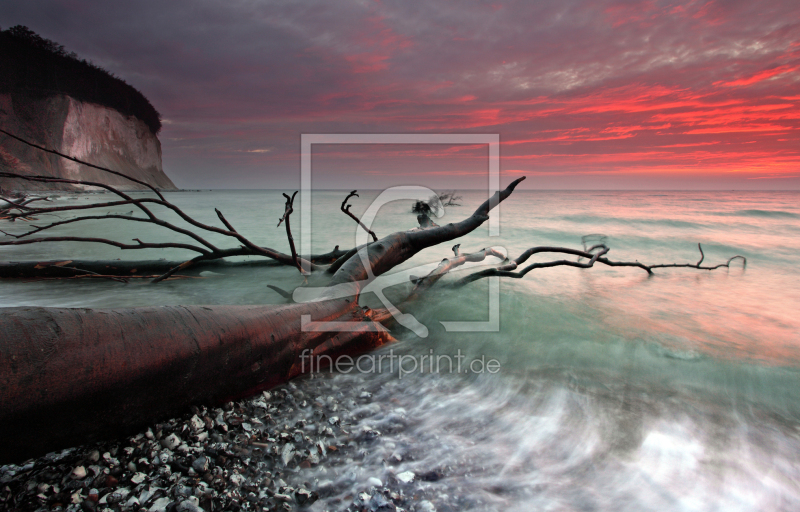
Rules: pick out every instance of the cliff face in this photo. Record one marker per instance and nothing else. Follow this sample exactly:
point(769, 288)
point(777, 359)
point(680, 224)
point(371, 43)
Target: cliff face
point(93, 133)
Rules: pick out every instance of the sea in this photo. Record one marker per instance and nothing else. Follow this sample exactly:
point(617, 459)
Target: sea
point(608, 389)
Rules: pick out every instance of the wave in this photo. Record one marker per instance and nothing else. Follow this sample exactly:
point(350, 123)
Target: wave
point(768, 214)
point(596, 219)
point(683, 355)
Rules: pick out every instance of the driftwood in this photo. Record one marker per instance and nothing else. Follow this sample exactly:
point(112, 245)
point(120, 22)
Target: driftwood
point(9, 205)
point(69, 268)
point(75, 375)
point(346, 210)
point(593, 257)
point(70, 376)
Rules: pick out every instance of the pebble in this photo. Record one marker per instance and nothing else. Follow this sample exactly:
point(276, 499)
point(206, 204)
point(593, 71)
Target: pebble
point(285, 449)
point(287, 454)
point(200, 464)
point(305, 497)
point(79, 473)
point(171, 442)
point(190, 504)
point(425, 506)
point(406, 477)
point(196, 423)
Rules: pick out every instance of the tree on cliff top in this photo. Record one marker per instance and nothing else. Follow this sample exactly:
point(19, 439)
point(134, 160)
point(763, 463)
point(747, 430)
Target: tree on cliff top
point(38, 67)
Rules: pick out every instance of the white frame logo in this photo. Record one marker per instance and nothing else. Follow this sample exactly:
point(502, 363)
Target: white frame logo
point(395, 193)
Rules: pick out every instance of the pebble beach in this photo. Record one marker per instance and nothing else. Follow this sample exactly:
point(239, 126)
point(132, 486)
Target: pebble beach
point(296, 447)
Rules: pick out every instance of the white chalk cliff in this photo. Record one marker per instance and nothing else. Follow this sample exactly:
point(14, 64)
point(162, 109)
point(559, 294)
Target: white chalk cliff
point(89, 132)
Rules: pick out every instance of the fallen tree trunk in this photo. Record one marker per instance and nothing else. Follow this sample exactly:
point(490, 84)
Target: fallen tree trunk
point(70, 376)
point(69, 268)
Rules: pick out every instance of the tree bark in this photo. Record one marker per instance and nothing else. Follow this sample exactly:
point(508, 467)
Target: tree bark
point(71, 376)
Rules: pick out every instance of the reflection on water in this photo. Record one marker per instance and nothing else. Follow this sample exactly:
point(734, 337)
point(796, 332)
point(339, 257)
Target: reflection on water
point(617, 391)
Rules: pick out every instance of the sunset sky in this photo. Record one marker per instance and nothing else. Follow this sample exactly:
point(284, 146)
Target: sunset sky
point(584, 94)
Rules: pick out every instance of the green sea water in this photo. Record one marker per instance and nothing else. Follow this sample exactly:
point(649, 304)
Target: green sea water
point(615, 390)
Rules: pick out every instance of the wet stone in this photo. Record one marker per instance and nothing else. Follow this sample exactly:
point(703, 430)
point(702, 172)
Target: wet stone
point(272, 452)
point(406, 477)
point(200, 464)
point(305, 497)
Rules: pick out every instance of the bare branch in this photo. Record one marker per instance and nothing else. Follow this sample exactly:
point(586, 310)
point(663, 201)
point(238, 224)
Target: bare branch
point(508, 269)
point(254, 250)
point(140, 245)
point(104, 169)
point(287, 212)
point(225, 221)
point(152, 220)
point(396, 248)
point(448, 264)
point(280, 291)
point(346, 209)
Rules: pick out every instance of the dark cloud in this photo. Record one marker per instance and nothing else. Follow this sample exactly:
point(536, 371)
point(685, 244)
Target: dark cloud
point(582, 92)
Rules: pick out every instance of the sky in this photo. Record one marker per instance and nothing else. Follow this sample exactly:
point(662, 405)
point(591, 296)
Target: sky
point(588, 94)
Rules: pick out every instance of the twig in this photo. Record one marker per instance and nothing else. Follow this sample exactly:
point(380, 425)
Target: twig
point(128, 199)
point(213, 252)
point(280, 291)
point(140, 203)
point(225, 221)
point(285, 219)
point(346, 209)
point(448, 264)
point(508, 269)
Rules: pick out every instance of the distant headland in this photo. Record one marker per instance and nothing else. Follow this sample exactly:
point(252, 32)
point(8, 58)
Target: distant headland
point(51, 97)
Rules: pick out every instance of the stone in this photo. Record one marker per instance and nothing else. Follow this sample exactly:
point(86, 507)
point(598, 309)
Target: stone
point(196, 423)
point(160, 505)
point(190, 504)
point(287, 454)
point(406, 477)
point(171, 442)
point(305, 497)
point(425, 506)
point(200, 464)
point(117, 496)
point(79, 473)
point(380, 504)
